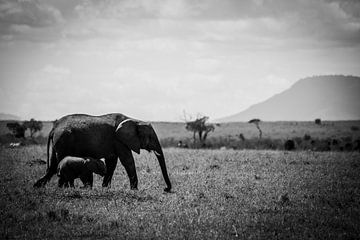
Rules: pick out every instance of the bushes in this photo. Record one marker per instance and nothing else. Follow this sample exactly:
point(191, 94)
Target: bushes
point(289, 145)
point(307, 137)
point(354, 128)
point(298, 143)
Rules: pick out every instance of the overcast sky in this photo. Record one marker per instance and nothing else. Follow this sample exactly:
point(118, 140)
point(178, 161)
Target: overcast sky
point(153, 59)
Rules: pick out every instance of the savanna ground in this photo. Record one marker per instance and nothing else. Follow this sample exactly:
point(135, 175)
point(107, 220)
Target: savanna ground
point(230, 194)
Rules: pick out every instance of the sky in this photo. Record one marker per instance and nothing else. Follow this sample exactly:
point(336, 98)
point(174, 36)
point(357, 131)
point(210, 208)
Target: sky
point(156, 59)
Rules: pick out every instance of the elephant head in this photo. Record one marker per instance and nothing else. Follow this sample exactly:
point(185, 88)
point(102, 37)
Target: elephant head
point(97, 166)
point(138, 135)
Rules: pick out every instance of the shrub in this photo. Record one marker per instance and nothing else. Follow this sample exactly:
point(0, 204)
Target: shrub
point(348, 146)
point(17, 129)
point(354, 128)
point(235, 142)
point(357, 145)
point(318, 121)
point(289, 145)
point(307, 137)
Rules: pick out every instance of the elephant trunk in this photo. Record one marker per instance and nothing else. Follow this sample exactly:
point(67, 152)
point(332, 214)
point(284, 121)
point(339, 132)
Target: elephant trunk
point(160, 156)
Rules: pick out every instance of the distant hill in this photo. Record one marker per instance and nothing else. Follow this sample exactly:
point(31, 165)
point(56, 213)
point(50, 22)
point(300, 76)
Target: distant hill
point(334, 97)
point(5, 116)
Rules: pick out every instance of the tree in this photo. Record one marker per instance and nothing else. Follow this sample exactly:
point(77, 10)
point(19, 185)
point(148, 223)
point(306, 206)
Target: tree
point(16, 129)
point(33, 125)
point(257, 121)
point(200, 127)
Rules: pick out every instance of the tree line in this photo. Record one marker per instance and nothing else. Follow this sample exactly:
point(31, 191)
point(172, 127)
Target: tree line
point(18, 129)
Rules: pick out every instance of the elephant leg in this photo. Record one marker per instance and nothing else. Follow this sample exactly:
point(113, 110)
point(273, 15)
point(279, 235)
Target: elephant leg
point(110, 168)
point(51, 171)
point(127, 160)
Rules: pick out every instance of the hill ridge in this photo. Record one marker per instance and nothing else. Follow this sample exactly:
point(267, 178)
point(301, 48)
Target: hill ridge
point(7, 116)
point(329, 97)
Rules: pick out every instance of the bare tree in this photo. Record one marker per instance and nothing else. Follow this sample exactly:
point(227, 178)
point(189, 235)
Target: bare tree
point(257, 121)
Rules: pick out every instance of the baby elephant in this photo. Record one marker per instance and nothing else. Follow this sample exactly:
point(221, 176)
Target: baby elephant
point(70, 168)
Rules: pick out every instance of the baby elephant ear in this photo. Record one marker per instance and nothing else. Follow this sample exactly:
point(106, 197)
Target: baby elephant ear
point(127, 133)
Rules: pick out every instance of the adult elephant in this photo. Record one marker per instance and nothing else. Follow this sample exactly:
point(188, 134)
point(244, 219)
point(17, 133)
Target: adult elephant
point(109, 136)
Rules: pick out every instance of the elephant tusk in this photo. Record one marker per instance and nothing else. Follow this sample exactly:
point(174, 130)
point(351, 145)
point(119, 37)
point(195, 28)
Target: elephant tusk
point(156, 153)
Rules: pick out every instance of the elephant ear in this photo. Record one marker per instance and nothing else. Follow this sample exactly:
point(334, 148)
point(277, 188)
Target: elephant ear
point(127, 133)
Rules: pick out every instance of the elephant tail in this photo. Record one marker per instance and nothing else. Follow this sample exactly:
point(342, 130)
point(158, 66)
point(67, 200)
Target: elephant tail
point(50, 138)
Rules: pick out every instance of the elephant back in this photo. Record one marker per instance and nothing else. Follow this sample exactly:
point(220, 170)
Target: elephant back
point(84, 135)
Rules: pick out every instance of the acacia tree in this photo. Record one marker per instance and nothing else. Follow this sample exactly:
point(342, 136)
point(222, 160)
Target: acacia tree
point(17, 129)
point(33, 125)
point(257, 121)
point(201, 127)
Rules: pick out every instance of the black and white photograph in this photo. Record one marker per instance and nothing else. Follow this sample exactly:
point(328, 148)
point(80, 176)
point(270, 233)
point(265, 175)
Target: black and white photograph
point(179, 119)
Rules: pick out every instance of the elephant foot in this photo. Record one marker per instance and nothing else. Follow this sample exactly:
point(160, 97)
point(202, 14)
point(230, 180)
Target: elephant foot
point(134, 188)
point(168, 190)
point(106, 182)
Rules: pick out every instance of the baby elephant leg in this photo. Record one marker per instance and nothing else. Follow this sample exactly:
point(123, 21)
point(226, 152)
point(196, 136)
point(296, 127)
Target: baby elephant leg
point(71, 182)
point(66, 184)
point(87, 179)
point(61, 182)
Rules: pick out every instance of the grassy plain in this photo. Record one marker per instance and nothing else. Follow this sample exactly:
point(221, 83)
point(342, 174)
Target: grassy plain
point(229, 194)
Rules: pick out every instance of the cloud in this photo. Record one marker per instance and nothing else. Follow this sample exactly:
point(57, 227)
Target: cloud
point(328, 22)
point(31, 13)
point(29, 20)
point(51, 69)
point(154, 58)
point(134, 9)
point(350, 7)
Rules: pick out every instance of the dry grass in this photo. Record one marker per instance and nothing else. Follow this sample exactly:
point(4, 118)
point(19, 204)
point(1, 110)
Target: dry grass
point(216, 194)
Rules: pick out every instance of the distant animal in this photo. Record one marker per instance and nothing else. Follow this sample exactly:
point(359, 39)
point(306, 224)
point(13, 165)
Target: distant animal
point(289, 145)
point(71, 168)
point(111, 136)
point(15, 144)
point(182, 145)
